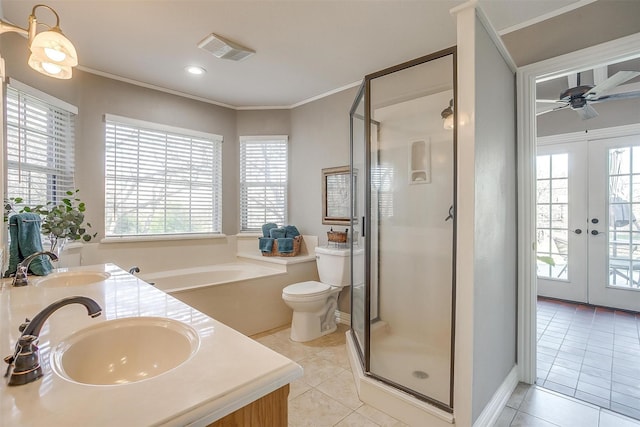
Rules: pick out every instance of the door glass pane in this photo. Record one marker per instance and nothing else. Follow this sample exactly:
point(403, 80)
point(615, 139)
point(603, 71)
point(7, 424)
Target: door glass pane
point(358, 148)
point(552, 216)
point(624, 202)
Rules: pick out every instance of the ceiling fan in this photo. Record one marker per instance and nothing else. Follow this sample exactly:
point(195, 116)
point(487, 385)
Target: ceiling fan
point(580, 97)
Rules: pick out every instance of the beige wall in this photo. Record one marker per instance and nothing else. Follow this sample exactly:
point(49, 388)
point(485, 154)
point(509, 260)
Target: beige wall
point(318, 134)
point(587, 26)
point(263, 122)
point(95, 95)
point(319, 139)
point(595, 23)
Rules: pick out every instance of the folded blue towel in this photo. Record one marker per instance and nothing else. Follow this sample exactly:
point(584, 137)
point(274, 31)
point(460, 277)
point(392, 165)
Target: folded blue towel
point(24, 229)
point(277, 233)
point(265, 244)
point(291, 231)
point(266, 227)
point(285, 245)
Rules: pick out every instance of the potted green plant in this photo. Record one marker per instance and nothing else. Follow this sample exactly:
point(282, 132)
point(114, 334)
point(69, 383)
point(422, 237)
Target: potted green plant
point(62, 222)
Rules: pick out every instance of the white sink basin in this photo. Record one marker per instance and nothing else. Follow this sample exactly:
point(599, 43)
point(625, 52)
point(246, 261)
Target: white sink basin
point(72, 278)
point(125, 350)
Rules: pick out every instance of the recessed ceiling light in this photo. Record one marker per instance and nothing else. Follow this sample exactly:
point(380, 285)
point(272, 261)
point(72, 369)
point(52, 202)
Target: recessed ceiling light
point(194, 69)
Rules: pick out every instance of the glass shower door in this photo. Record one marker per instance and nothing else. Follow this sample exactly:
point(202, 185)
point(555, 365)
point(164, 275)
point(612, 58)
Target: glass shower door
point(358, 295)
point(409, 163)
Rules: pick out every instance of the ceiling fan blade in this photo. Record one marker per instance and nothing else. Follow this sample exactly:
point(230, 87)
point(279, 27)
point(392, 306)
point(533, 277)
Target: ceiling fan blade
point(541, 111)
point(550, 101)
point(544, 110)
point(586, 112)
point(617, 96)
point(613, 81)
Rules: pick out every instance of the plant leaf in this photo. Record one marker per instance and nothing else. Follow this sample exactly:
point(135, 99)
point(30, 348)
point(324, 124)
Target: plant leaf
point(547, 260)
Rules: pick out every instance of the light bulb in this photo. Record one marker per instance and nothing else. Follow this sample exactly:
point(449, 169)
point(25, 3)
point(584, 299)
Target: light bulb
point(193, 69)
point(54, 54)
point(51, 68)
point(448, 122)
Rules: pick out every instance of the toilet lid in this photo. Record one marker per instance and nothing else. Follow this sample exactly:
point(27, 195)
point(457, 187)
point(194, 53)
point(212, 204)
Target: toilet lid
point(306, 288)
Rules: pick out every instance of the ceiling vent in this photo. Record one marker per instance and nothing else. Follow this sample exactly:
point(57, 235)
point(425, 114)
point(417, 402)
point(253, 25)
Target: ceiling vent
point(225, 49)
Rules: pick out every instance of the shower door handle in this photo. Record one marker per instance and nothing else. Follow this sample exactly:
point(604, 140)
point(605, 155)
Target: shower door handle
point(450, 216)
point(364, 229)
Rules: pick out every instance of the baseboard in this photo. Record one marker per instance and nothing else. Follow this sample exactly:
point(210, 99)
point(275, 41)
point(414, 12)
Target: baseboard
point(492, 411)
point(342, 317)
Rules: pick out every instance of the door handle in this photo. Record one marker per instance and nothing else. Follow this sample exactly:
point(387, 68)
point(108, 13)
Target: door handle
point(577, 231)
point(450, 216)
point(596, 233)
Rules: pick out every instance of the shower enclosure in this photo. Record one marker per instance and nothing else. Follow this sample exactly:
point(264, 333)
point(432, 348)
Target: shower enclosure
point(403, 152)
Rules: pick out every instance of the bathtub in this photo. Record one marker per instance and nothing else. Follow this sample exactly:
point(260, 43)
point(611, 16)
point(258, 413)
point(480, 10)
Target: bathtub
point(246, 296)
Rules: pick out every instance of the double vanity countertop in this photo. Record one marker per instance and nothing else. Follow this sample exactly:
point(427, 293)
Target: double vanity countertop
point(227, 372)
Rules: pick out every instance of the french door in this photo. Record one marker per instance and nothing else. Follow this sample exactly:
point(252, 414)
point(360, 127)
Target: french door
point(588, 221)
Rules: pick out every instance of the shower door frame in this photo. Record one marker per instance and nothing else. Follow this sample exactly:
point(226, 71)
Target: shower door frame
point(365, 354)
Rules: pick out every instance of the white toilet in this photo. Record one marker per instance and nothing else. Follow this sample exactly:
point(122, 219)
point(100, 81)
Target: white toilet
point(314, 303)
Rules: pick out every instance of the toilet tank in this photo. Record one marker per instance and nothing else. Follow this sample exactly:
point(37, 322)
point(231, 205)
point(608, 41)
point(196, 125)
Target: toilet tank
point(334, 265)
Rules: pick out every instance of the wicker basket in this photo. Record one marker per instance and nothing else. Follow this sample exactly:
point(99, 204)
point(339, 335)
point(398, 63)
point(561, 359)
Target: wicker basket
point(297, 243)
point(337, 236)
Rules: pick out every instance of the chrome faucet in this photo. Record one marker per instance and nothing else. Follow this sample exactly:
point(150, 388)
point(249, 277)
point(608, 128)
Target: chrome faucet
point(25, 360)
point(20, 278)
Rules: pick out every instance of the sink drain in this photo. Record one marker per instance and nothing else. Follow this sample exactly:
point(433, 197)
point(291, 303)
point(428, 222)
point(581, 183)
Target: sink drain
point(422, 375)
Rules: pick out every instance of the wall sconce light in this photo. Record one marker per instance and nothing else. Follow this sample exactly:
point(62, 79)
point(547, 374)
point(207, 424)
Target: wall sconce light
point(52, 53)
point(447, 116)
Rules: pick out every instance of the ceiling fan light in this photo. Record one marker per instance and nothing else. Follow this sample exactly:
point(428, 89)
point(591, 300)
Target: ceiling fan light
point(50, 69)
point(54, 46)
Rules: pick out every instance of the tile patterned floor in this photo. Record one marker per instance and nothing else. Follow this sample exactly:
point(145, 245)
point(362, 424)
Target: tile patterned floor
point(326, 395)
point(591, 353)
point(584, 351)
point(535, 406)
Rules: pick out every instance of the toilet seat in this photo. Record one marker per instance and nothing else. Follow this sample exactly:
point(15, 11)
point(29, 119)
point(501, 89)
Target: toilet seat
point(306, 289)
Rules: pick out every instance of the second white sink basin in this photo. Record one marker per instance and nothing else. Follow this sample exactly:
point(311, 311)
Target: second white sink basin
point(72, 278)
point(125, 350)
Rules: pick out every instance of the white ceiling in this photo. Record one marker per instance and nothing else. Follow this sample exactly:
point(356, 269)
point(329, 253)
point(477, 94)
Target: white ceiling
point(305, 48)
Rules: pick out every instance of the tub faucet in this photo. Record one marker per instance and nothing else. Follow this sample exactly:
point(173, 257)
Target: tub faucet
point(20, 278)
point(25, 360)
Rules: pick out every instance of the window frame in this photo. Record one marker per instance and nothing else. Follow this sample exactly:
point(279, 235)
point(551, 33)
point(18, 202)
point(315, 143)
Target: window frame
point(63, 164)
point(242, 215)
point(170, 133)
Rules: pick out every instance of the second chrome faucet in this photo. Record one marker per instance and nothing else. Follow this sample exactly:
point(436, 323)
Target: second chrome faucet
point(20, 278)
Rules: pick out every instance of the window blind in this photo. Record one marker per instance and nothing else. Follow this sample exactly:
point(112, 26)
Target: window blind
point(263, 181)
point(40, 148)
point(161, 180)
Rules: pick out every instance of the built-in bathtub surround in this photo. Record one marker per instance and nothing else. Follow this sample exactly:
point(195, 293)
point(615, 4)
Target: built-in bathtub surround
point(226, 277)
point(184, 279)
point(244, 294)
point(226, 372)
